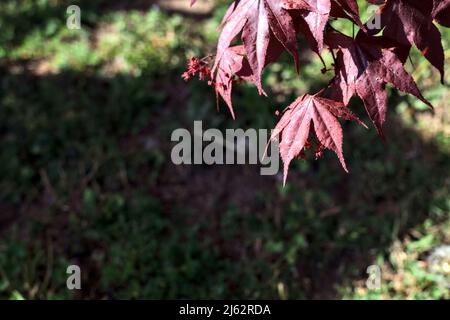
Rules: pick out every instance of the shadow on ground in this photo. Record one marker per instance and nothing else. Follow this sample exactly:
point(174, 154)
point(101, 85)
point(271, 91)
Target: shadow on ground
point(86, 178)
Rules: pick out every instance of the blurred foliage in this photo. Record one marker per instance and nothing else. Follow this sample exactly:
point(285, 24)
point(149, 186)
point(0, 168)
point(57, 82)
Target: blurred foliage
point(85, 121)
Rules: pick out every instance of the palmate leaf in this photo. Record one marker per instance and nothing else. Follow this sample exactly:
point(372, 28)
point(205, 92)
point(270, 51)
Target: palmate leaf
point(232, 63)
point(363, 67)
point(257, 19)
point(410, 22)
point(294, 127)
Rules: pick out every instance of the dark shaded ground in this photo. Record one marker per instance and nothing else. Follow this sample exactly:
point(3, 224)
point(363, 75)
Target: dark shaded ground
point(323, 229)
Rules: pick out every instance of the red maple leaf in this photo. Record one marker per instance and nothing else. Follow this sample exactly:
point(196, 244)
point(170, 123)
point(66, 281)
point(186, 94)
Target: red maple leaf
point(363, 67)
point(410, 22)
point(294, 127)
point(233, 64)
point(257, 20)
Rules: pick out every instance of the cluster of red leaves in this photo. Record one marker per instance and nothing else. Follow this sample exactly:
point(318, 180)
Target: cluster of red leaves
point(363, 64)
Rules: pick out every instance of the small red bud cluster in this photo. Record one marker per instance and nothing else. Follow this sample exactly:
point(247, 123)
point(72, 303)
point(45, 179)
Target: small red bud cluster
point(197, 66)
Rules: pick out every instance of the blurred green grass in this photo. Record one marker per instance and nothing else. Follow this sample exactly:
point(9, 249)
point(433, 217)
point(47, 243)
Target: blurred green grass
point(85, 122)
